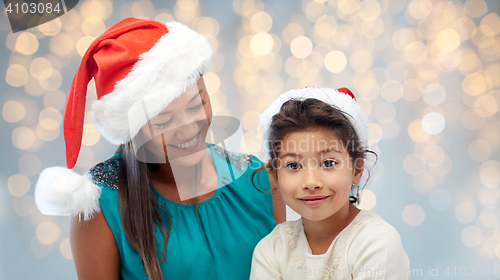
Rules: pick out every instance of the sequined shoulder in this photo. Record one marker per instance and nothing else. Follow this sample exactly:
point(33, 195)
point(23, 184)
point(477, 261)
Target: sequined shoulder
point(239, 160)
point(106, 173)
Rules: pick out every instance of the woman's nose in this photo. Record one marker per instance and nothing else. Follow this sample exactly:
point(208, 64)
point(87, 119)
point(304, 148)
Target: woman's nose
point(187, 131)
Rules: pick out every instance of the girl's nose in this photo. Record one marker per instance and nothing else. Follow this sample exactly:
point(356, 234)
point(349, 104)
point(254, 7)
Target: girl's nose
point(311, 179)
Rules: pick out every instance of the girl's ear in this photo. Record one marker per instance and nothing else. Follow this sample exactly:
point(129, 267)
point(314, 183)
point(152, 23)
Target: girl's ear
point(359, 166)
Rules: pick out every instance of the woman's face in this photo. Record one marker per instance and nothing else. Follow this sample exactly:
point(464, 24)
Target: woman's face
point(181, 128)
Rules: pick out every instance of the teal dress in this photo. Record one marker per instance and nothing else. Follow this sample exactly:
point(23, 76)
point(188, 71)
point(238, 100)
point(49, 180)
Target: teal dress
point(215, 243)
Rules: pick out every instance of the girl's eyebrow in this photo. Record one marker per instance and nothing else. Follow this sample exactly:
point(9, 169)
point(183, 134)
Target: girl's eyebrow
point(329, 150)
point(199, 92)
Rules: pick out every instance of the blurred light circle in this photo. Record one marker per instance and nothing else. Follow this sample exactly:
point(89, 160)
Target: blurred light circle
point(18, 185)
point(440, 199)
point(433, 123)
point(416, 132)
point(367, 199)
point(47, 135)
point(47, 232)
point(420, 9)
point(465, 212)
point(53, 81)
point(490, 25)
point(412, 90)
point(396, 71)
point(335, 61)
point(37, 67)
point(369, 10)
point(414, 164)
point(448, 40)
point(480, 150)
point(83, 44)
point(292, 31)
point(471, 236)
point(16, 75)
point(444, 168)
point(249, 120)
point(415, 52)
point(40, 250)
point(262, 43)
point(50, 118)
point(433, 155)
point(486, 106)
point(261, 22)
point(29, 165)
point(392, 91)
point(24, 205)
point(474, 84)
point(93, 26)
point(402, 38)
point(212, 82)
point(301, 47)
point(489, 196)
point(51, 28)
point(472, 121)
point(347, 6)
point(62, 44)
point(450, 60)
point(90, 135)
point(490, 173)
point(413, 215)
point(434, 94)
point(65, 249)
point(313, 10)
point(13, 111)
point(384, 112)
point(361, 61)
point(375, 132)
point(325, 26)
point(26, 43)
point(488, 219)
point(23, 137)
point(497, 262)
point(475, 8)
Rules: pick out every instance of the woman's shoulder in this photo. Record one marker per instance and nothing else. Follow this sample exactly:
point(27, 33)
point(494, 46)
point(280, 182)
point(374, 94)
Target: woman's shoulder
point(105, 173)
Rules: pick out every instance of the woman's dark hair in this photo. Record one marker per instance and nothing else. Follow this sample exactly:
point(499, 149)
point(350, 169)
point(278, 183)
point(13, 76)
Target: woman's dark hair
point(307, 115)
point(139, 210)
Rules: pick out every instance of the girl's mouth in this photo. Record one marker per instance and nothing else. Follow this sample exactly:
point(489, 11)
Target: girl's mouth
point(316, 200)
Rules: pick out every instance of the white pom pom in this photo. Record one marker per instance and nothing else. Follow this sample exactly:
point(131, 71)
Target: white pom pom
point(60, 191)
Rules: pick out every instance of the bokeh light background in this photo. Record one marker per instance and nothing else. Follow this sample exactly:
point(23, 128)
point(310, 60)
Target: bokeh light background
point(426, 72)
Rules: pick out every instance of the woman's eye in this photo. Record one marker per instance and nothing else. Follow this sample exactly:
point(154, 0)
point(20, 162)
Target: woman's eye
point(198, 107)
point(329, 163)
point(292, 166)
point(163, 125)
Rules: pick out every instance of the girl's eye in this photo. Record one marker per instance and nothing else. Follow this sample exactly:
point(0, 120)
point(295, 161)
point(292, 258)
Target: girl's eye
point(293, 166)
point(198, 107)
point(329, 163)
point(163, 125)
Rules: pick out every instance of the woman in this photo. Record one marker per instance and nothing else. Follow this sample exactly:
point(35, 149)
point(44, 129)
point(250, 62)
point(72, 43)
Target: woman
point(166, 206)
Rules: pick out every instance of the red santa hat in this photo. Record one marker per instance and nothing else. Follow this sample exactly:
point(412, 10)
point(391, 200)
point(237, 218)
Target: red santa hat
point(139, 68)
point(342, 98)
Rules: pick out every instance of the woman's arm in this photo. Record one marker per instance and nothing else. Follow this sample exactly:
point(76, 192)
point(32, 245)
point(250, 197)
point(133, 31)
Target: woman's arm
point(94, 248)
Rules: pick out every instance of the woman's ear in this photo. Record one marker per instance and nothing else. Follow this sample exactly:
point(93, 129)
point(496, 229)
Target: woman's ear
point(359, 166)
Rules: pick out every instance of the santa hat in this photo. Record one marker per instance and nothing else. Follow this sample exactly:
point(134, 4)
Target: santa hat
point(139, 68)
point(342, 98)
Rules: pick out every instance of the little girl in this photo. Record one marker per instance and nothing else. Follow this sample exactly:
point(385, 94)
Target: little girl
point(317, 139)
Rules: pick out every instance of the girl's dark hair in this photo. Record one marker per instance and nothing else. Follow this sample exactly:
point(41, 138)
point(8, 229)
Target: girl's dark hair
point(139, 210)
point(310, 114)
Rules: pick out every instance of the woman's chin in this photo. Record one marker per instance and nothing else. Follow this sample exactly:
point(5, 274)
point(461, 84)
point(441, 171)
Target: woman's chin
point(189, 160)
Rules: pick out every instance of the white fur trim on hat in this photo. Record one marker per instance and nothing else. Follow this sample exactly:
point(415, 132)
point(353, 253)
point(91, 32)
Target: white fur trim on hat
point(60, 191)
point(328, 95)
point(161, 75)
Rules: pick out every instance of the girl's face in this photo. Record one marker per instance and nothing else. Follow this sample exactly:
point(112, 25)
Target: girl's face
point(181, 128)
point(315, 173)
